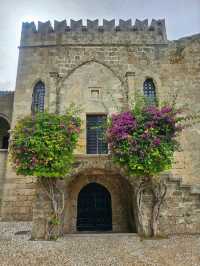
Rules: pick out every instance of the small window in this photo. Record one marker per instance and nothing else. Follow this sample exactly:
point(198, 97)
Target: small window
point(38, 97)
point(96, 143)
point(94, 93)
point(150, 91)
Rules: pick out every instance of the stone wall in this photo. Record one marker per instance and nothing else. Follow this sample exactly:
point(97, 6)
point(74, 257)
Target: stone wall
point(18, 197)
point(3, 160)
point(122, 218)
point(6, 104)
point(4, 129)
point(93, 33)
point(73, 61)
point(181, 210)
point(6, 110)
point(120, 194)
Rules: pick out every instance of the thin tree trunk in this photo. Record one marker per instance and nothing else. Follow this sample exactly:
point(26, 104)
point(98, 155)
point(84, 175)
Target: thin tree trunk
point(139, 200)
point(159, 191)
point(57, 198)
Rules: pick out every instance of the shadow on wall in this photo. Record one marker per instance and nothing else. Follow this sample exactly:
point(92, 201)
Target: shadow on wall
point(4, 133)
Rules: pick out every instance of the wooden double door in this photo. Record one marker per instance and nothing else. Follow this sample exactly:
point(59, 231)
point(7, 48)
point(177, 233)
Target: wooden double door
point(94, 211)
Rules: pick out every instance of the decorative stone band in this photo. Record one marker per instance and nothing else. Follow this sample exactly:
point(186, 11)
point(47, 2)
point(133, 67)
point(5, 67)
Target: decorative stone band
point(93, 26)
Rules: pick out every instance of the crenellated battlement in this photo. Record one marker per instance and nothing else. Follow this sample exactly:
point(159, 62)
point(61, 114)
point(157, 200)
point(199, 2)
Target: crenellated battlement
point(155, 32)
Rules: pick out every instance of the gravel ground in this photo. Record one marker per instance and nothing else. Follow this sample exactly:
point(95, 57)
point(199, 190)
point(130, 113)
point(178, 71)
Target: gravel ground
point(95, 249)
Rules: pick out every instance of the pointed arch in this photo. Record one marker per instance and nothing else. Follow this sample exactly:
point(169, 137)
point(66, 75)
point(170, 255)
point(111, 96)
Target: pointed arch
point(90, 62)
point(5, 117)
point(38, 97)
point(149, 91)
point(87, 75)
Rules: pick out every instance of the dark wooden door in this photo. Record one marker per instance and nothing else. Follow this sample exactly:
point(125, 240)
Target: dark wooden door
point(94, 209)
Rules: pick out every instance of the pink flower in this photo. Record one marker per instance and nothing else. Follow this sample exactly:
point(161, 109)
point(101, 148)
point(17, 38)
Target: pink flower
point(166, 109)
point(156, 142)
point(122, 125)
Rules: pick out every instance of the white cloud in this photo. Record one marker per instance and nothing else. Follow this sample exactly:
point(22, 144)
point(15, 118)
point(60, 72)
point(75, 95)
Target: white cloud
point(6, 85)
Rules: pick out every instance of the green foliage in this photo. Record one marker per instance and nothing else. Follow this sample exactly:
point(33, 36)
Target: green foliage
point(143, 139)
point(43, 145)
point(55, 221)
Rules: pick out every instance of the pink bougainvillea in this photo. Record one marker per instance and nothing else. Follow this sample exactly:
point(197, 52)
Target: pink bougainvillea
point(144, 139)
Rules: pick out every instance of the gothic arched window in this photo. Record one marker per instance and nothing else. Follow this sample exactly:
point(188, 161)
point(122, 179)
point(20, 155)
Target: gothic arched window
point(38, 97)
point(149, 91)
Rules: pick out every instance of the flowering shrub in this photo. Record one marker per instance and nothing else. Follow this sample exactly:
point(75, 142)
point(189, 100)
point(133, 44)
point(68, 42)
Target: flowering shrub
point(43, 145)
point(143, 139)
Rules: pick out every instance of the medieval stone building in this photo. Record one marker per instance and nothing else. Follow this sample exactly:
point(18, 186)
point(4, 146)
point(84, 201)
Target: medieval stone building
point(100, 69)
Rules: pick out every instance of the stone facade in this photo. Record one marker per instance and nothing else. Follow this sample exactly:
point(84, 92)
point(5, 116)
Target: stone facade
point(75, 61)
point(3, 160)
point(6, 110)
point(180, 212)
point(6, 104)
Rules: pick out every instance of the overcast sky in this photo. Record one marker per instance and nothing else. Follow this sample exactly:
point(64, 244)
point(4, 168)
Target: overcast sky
point(182, 19)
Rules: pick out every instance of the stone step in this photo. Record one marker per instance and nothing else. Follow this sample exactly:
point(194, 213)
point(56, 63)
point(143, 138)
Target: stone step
point(102, 235)
point(192, 189)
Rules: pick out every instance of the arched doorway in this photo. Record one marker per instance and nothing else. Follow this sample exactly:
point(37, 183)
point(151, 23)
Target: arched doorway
point(94, 211)
point(4, 134)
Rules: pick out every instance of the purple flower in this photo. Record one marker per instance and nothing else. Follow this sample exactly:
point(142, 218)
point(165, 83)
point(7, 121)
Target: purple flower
point(122, 125)
point(166, 109)
point(156, 142)
point(145, 135)
point(129, 137)
point(153, 112)
point(169, 119)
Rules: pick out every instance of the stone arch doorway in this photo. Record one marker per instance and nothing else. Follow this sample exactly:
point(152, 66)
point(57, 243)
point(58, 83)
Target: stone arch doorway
point(121, 193)
point(94, 211)
point(4, 133)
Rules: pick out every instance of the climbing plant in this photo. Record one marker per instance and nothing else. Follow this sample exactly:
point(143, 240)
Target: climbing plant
point(42, 146)
point(143, 140)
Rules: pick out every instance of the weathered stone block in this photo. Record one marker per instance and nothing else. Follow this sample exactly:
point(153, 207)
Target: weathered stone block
point(92, 25)
point(60, 26)
point(108, 25)
point(44, 27)
point(76, 25)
